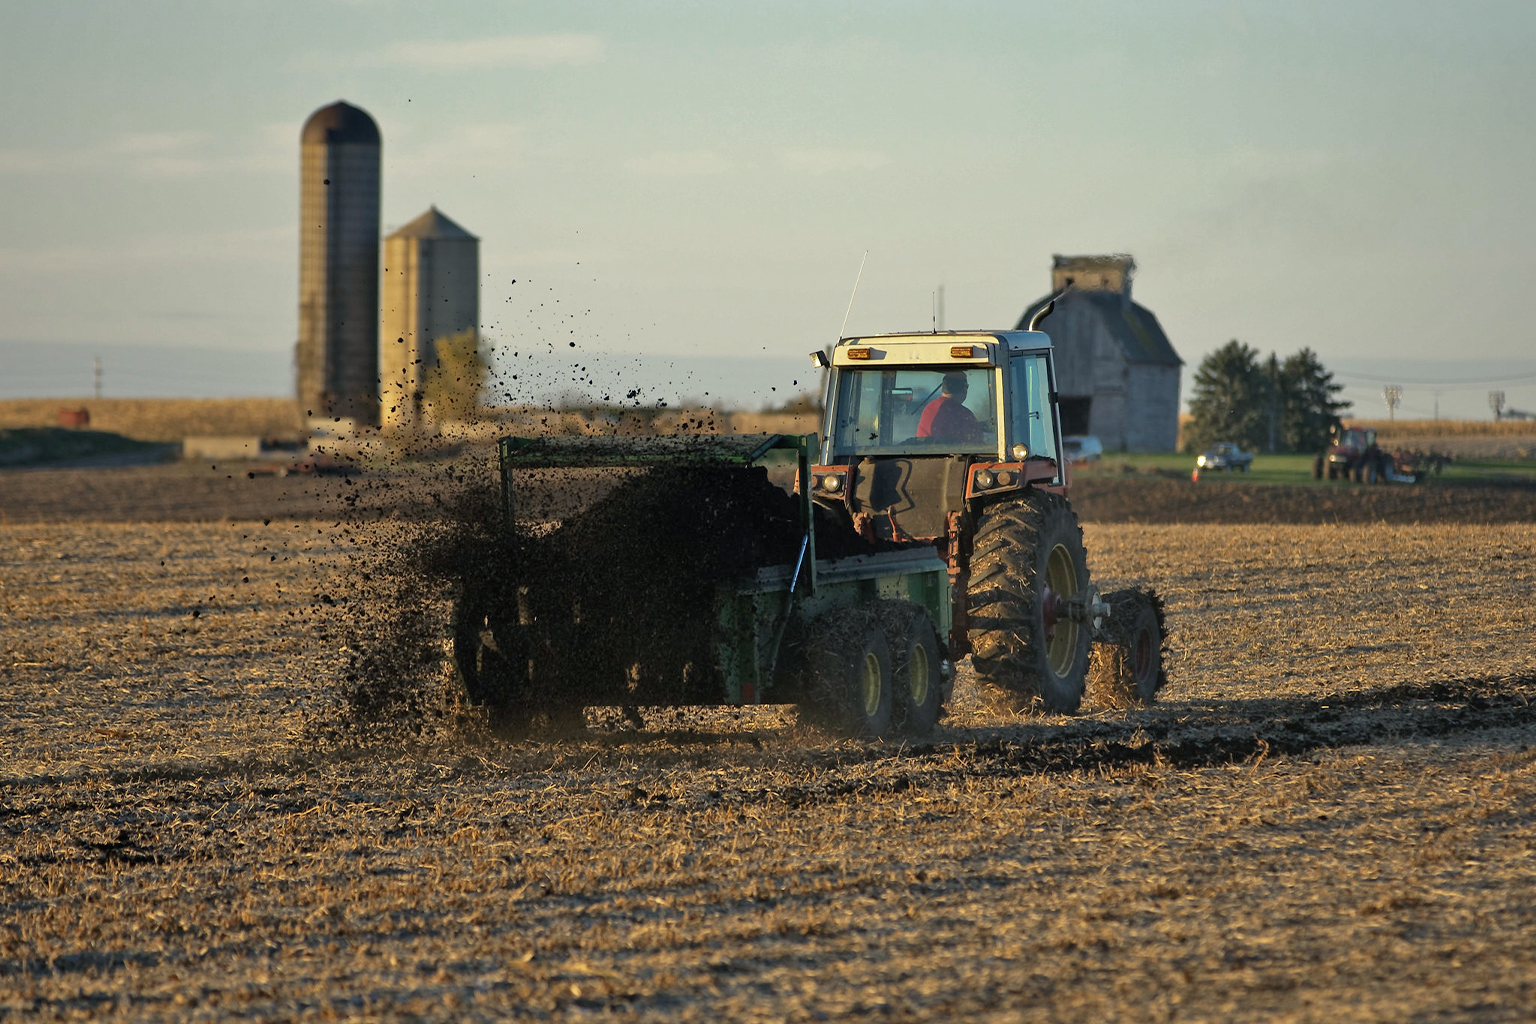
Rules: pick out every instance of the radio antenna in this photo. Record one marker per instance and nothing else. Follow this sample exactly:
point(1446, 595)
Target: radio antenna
point(856, 281)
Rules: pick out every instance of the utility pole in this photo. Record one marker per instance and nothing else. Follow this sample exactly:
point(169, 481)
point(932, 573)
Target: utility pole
point(1393, 394)
point(1496, 403)
point(98, 376)
point(1272, 371)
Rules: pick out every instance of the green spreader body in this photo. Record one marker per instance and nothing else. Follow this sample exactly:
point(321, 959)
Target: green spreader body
point(761, 620)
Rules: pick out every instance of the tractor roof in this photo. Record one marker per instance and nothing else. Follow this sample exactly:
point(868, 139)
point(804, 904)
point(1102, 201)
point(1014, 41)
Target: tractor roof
point(979, 348)
point(1013, 339)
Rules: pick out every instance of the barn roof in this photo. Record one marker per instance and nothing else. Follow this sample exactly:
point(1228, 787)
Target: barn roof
point(1133, 325)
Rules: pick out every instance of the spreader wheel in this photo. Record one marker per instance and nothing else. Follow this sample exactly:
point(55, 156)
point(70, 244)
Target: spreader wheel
point(1127, 668)
point(851, 686)
point(918, 698)
point(491, 654)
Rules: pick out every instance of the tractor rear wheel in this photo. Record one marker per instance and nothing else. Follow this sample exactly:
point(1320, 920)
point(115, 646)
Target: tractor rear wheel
point(1127, 668)
point(1027, 566)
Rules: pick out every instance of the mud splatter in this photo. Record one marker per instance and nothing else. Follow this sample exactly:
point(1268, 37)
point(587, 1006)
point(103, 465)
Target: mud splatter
point(610, 604)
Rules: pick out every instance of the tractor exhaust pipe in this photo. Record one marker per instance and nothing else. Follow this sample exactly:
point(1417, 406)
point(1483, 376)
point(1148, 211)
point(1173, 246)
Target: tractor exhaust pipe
point(1045, 310)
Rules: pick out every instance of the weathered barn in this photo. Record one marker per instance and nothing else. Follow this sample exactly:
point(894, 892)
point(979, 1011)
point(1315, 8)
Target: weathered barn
point(1116, 373)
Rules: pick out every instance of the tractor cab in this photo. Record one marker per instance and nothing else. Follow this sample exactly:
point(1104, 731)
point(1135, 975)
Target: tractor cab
point(922, 427)
point(1354, 440)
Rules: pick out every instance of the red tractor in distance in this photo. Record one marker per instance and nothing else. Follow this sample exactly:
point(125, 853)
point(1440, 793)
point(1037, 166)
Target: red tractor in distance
point(1353, 454)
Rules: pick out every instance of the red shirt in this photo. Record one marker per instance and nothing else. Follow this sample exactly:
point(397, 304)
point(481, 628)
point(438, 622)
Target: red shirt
point(947, 419)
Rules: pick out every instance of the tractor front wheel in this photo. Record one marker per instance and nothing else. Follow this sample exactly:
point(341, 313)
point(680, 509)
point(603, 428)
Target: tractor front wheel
point(1028, 569)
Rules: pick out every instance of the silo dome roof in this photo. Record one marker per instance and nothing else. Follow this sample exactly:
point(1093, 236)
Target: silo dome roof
point(340, 123)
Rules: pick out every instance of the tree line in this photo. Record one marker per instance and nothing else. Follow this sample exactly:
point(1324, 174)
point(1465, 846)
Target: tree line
point(1274, 405)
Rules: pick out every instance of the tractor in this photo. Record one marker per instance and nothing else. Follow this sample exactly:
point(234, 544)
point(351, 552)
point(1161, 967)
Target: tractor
point(927, 521)
point(952, 439)
point(1354, 454)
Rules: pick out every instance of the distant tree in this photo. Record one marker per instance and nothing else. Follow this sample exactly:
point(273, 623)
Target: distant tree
point(1309, 405)
point(455, 379)
point(1231, 400)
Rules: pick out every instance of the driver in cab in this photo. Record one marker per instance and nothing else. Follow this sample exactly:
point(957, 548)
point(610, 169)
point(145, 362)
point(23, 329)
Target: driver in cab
point(946, 418)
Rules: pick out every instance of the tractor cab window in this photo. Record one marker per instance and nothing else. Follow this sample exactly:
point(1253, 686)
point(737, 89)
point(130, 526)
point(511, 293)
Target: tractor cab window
point(916, 411)
point(1031, 417)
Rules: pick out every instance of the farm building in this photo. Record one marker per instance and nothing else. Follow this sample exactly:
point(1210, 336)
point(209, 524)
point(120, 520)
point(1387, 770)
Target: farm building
point(1116, 373)
point(431, 293)
point(338, 348)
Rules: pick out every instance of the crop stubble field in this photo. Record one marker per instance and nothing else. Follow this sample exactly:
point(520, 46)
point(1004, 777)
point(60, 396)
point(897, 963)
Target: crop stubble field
point(1328, 816)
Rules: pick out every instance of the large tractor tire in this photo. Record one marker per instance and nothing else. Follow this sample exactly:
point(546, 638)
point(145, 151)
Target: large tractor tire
point(1127, 667)
point(851, 684)
point(1027, 563)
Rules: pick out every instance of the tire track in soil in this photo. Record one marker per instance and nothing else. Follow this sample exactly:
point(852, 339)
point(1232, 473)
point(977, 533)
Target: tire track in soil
point(1163, 736)
point(1232, 735)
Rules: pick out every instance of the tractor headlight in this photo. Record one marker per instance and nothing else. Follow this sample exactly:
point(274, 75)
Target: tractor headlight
point(832, 482)
point(984, 478)
point(1020, 452)
point(1004, 478)
point(1200, 461)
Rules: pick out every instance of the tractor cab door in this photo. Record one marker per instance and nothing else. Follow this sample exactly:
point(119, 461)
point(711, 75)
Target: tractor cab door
point(1031, 416)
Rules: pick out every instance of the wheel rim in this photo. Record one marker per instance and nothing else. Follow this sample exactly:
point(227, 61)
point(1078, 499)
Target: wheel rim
point(1061, 578)
point(917, 675)
point(870, 682)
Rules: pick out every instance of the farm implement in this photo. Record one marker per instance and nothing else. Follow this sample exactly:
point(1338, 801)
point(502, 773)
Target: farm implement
point(844, 572)
point(1353, 453)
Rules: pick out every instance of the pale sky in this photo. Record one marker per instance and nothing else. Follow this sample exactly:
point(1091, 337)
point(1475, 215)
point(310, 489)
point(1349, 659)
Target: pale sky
point(701, 180)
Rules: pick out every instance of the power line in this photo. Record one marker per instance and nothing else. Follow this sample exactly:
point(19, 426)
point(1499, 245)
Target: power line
point(1444, 383)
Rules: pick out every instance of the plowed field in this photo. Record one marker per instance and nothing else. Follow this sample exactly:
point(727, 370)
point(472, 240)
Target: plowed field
point(1330, 816)
point(200, 492)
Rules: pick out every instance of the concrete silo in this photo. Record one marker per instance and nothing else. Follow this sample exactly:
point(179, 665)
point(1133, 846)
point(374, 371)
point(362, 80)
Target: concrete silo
point(431, 292)
point(338, 354)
